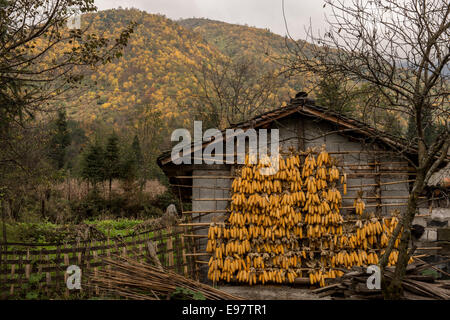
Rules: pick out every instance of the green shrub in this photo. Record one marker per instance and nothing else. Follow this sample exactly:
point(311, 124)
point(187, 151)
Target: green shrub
point(165, 199)
point(89, 207)
point(120, 227)
point(37, 232)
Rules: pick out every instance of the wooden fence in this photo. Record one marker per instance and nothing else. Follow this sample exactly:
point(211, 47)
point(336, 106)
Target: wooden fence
point(43, 267)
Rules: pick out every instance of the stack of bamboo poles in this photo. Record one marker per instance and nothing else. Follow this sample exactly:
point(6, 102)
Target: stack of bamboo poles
point(131, 279)
point(353, 285)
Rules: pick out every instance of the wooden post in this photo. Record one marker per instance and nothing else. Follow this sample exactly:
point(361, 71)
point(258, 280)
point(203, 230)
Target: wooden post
point(27, 265)
point(108, 254)
point(94, 253)
point(170, 246)
point(140, 237)
point(58, 257)
point(20, 271)
point(378, 209)
point(13, 269)
point(66, 264)
point(161, 246)
point(39, 269)
point(178, 254)
point(183, 252)
point(48, 276)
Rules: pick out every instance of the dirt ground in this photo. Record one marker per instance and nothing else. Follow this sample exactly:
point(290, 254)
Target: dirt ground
point(271, 292)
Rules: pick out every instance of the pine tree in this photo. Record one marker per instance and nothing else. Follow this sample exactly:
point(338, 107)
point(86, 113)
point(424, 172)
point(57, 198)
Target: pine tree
point(139, 161)
point(411, 130)
point(93, 164)
point(136, 147)
point(60, 141)
point(112, 160)
point(431, 129)
point(332, 95)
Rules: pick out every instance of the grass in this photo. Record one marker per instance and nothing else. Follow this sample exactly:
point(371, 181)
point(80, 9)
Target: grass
point(47, 232)
point(113, 228)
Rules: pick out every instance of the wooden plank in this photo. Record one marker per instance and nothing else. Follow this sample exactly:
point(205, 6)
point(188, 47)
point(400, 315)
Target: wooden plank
point(66, 276)
point(162, 247)
point(183, 245)
point(28, 266)
point(48, 276)
point(40, 270)
point(58, 257)
point(94, 253)
point(13, 270)
point(169, 246)
point(176, 257)
point(22, 271)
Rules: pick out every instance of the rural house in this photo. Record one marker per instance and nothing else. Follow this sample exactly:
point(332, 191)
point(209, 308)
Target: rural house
point(369, 158)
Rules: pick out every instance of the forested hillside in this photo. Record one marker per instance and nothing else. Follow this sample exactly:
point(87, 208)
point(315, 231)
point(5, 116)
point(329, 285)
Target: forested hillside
point(175, 71)
point(159, 82)
point(236, 39)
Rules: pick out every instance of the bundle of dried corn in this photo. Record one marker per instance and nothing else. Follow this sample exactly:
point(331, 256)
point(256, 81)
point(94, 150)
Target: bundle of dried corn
point(289, 221)
point(127, 278)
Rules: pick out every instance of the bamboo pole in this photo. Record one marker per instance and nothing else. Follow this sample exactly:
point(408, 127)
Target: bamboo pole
point(195, 235)
point(212, 199)
point(198, 254)
point(348, 187)
point(207, 224)
point(206, 211)
point(346, 198)
point(204, 177)
point(183, 252)
point(380, 173)
point(170, 247)
point(199, 224)
point(375, 249)
point(195, 187)
point(347, 207)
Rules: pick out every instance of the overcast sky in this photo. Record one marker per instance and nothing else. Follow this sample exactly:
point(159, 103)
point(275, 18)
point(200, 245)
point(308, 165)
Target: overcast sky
point(258, 13)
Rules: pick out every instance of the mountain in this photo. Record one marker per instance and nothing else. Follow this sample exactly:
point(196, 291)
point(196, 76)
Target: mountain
point(234, 39)
point(153, 78)
point(151, 89)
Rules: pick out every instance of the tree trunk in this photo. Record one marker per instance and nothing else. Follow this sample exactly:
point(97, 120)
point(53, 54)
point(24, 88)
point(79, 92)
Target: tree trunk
point(43, 208)
point(394, 290)
point(110, 187)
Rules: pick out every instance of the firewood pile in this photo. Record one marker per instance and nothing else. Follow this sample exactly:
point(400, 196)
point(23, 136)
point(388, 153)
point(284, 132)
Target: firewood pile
point(127, 278)
point(353, 285)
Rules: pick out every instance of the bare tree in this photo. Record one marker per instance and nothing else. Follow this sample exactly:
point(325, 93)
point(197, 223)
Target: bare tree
point(41, 58)
point(400, 50)
point(230, 90)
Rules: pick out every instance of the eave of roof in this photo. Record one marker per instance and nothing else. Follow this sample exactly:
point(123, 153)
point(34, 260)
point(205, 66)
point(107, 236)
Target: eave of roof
point(307, 107)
